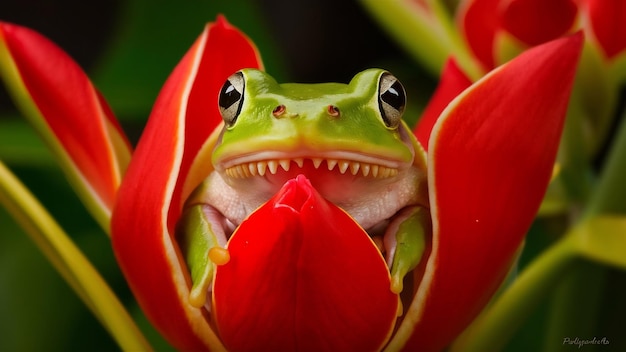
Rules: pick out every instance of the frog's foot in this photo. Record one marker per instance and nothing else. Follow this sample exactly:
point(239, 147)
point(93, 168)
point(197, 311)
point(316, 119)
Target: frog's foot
point(202, 236)
point(405, 242)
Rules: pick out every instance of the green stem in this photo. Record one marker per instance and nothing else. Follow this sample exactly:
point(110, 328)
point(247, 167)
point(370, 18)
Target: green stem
point(566, 316)
point(610, 193)
point(498, 322)
point(576, 167)
point(575, 304)
point(69, 262)
point(428, 34)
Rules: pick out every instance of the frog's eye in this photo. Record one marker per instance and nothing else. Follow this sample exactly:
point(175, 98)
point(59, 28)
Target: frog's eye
point(391, 100)
point(231, 98)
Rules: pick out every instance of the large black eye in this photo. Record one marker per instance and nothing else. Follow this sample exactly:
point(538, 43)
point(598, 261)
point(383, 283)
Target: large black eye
point(231, 98)
point(391, 100)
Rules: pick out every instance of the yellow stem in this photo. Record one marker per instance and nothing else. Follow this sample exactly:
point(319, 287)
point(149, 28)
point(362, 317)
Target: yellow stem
point(69, 261)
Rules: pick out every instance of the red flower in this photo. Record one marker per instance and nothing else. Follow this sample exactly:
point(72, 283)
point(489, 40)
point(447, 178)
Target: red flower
point(488, 24)
point(605, 17)
point(316, 281)
point(485, 190)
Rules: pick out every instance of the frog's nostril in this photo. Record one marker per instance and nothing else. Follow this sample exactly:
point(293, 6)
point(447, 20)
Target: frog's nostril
point(333, 111)
point(279, 110)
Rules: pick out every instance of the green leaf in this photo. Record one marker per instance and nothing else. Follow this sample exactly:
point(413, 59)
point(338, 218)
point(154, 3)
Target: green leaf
point(603, 239)
point(426, 30)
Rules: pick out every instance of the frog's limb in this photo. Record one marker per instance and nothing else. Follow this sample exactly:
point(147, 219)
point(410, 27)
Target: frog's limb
point(405, 240)
point(202, 240)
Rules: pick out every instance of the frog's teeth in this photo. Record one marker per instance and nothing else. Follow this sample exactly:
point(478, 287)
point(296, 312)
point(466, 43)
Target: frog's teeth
point(374, 170)
point(245, 171)
point(343, 166)
point(383, 172)
point(317, 162)
point(331, 164)
point(234, 172)
point(354, 167)
point(261, 167)
point(252, 168)
point(238, 171)
point(285, 164)
point(273, 166)
point(365, 169)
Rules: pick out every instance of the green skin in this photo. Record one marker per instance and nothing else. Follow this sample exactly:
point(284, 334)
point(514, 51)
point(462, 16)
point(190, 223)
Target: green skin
point(354, 148)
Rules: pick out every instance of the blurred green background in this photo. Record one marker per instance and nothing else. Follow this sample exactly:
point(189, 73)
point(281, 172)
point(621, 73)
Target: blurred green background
point(128, 48)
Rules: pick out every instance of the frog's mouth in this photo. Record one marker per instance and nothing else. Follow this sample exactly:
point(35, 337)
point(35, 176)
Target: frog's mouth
point(263, 167)
point(342, 163)
point(368, 186)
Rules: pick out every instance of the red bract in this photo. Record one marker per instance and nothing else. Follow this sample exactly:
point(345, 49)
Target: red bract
point(606, 18)
point(453, 81)
point(487, 24)
point(60, 101)
point(490, 158)
point(168, 159)
point(532, 22)
point(303, 276)
point(550, 19)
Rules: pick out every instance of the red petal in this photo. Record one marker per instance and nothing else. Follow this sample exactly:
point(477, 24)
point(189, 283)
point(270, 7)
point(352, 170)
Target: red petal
point(607, 21)
point(68, 111)
point(490, 160)
point(453, 81)
point(303, 276)
point(479, 22)
point(538, 21)
point(151, 196)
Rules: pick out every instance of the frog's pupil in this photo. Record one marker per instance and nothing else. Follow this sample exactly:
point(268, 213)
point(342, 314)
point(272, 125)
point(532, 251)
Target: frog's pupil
point(230, 99)
point(393, 96)
point(229, 95)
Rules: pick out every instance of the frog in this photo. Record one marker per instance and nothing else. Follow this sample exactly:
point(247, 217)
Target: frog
point(349, 140)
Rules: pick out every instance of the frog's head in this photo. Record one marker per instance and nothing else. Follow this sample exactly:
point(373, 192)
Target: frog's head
point(330, 132)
